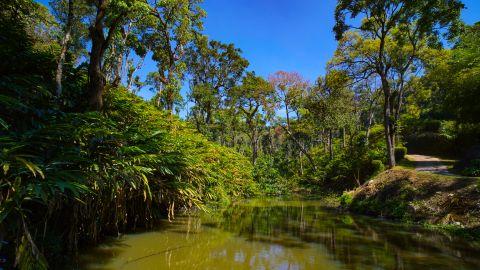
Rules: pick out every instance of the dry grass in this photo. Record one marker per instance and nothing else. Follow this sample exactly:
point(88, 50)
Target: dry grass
point(423, 197)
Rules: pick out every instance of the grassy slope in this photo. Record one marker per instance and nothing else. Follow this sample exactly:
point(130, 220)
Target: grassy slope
point(447, 202)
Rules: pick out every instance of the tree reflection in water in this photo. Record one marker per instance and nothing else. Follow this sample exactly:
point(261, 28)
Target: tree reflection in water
point(276, 234)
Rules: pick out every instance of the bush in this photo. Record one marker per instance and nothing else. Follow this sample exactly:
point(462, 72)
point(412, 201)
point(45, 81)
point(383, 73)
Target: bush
point(431, 144)
point(268, 178)
point(432, 126)
point(132, 157)
point(378, 167)
point(346, 199)
point(400, 153)
point(473, 169)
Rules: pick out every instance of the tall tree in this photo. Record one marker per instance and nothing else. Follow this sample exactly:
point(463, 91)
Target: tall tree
point(108, 19)
point(253, 97)
point(177, 23)
point(70, 15)
point(401, 21)
point(64, 46)
point(331, 104)
point(289, 87)
point(454, 77)
point(214, 68)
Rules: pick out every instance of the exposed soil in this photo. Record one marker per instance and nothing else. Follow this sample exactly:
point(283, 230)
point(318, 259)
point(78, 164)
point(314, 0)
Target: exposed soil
point(421, 197)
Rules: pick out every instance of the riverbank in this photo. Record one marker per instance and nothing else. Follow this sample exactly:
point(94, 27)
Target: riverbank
point(448, 203)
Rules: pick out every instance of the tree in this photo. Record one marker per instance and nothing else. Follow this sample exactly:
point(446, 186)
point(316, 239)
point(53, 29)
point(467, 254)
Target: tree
point(330, 103)
point(252, 97)
point(368, 97)
point(70, 16)
point(214, 68)
point(289, 87)
point(108, 19)
point(64, 46)
point(177, 23)
point(453, 77)
point(406, 23)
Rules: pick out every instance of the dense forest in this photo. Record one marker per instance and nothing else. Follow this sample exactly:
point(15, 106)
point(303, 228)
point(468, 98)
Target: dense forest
point(84, 157)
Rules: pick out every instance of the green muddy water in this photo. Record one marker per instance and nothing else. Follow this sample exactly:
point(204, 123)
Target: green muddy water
point(279, 234)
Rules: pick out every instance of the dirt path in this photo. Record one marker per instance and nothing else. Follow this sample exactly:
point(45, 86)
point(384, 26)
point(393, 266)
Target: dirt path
point(430, 164)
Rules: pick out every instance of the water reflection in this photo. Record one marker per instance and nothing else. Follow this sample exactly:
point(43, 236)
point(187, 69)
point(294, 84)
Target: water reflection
point(275, 234)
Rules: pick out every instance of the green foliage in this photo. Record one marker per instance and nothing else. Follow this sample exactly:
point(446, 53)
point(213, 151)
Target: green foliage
point(378, 167)
point(431, 143)
point(472, 169)
point(130, 164)
point(400, 153)
point(269, 179)
point(464, 72)
point(100, 172)
point(215, 68)
point(346, 199)
point(96, 158)
point(395, 206)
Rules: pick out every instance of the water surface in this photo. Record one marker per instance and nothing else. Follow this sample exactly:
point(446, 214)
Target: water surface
point(280, 234)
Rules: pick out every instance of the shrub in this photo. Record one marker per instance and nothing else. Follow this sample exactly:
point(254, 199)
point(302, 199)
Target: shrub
point(432, 126)
point(431, 143)
point(473, 169)
point(400, 153)
point(378, 167)
point(132, 157)
point(268, 177)
point(346, 199)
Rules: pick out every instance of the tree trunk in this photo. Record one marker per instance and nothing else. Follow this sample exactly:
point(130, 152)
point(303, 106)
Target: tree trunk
point(96, 77)
point(63, 51)
point(288, 116)
point(169, 101)
point(130, 74)
point(369, 124)
point(389, 131)
point(208, 112)
point(324, 141)
point(330, 143)
point(272, 140)
point(119, 67)
point(300, 158)
point(254, 149)
point(99, 44)
point(382, 70)
point(95, 74)
point(344, 142)
point(309, 157)
point(117, 77)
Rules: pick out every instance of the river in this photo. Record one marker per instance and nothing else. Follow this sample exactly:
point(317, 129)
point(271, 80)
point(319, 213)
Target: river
point(283, 234)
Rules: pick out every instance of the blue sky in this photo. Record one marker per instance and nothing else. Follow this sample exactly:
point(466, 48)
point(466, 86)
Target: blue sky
point(284, 34)
point(279, 34)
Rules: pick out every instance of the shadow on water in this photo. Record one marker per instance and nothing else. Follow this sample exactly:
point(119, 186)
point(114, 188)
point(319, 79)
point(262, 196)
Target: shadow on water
point(287, 235)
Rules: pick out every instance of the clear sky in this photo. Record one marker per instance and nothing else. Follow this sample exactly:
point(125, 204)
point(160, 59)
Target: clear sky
point(290, 35)
point(284, 34)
